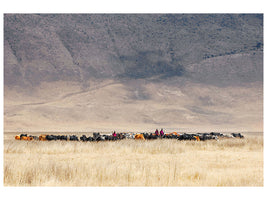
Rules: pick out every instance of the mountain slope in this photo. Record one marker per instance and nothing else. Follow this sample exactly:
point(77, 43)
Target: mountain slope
point(80, 72)
point(79, 47)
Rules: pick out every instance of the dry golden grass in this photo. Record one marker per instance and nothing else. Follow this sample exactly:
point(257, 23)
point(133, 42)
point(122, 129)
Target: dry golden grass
point(229, 162)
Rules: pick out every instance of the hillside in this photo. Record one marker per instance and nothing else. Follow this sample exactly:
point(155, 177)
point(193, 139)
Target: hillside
point(105, 72)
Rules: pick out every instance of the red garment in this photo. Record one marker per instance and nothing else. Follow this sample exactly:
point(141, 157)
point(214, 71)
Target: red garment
point(161, 132)
point(114, 134)
point(157, 132)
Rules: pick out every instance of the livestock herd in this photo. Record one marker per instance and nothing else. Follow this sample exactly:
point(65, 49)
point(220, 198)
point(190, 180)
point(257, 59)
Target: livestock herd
point(136, 136)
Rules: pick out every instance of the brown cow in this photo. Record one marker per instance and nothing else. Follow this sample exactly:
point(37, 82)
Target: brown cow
point(24, 138)
point(42, 137)
point(139, 137)
point(173, 133)
point(29, 138)
point(197, 138)
point(17, 137)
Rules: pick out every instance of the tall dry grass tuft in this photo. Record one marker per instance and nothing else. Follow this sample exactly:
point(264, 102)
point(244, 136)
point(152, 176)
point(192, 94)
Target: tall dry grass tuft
point(228, 162)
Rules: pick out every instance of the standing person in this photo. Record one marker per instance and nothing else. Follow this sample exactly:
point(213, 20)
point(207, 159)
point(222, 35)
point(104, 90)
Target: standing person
point(157, 132)
point(114, 134)
point(161, 132)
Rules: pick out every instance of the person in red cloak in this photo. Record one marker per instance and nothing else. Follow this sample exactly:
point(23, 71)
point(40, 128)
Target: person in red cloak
point(157, 132)
point(161, 132)
point(114, 134)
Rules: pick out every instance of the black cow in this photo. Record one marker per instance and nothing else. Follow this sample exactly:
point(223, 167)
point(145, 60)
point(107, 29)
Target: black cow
point(49, 137)
point(97, 137)
point(83, 138)
point(147, 136)
point(90, 139)
point(73, 138)
point(216, 134)
point(153, 136)
point(111, 137)
point(21, 135)
point(174, 136)
point(167, 136)
point(170, 136)
point(58, 137)
point(186, 136)
point(205, 136)
point(237, 135)
point(63, 137)
point(55, 137)
point(108, 137)
point(120, 136)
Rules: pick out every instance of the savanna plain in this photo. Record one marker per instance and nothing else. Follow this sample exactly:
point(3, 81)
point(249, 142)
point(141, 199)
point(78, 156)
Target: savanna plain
point(161, 162)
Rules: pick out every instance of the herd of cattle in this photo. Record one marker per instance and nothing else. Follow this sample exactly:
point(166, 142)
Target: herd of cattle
point(138, 136)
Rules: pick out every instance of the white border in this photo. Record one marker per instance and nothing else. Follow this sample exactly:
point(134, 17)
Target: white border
point(124, 6)
point(136, 6)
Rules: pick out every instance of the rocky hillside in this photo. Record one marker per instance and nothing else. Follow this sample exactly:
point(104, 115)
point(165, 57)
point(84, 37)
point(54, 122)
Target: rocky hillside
point(167, 70)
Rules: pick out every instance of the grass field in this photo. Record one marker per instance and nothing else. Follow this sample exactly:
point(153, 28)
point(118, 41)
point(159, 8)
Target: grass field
point(227, 162)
